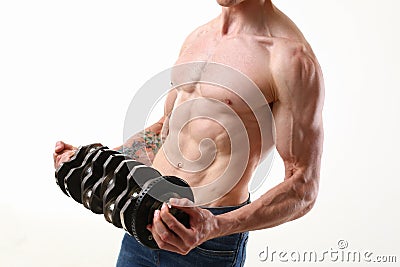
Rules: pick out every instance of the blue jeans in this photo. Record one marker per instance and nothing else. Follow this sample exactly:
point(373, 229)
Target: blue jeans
point(222, 251)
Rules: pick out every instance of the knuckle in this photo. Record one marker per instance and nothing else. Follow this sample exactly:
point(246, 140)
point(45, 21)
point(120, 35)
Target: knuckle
point(172, 225)
point(192, 240)
point(165, 236)
point(161, 244)
point(186, 249)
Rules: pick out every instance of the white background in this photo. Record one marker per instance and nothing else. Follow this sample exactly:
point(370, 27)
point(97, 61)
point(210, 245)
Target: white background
point(68, 70)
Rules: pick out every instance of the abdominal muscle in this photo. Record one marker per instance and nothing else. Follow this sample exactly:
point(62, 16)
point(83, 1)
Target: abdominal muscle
point(211, 157)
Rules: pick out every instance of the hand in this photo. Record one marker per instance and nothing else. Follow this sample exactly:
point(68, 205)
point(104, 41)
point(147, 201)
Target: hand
point(171, 235)
point(62, 153)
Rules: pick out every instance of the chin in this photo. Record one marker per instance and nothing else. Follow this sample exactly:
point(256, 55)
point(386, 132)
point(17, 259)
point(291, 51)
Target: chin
point(228, 3)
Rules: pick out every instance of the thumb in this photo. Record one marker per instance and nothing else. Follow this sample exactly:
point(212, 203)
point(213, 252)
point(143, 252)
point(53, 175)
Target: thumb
point(59, 146)
point(181, 202)
point(185, 205)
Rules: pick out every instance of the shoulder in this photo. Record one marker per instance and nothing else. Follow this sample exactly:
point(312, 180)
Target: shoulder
point(294, 66)
point(292, 56)
point(195, 35)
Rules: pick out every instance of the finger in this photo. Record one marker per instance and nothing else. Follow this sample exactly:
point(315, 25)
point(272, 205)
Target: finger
point(174, 225)
point(66, 156)
point(163, 236)
point(163, 245)
point(56, 158)
point(58, 161)
point(55, 155)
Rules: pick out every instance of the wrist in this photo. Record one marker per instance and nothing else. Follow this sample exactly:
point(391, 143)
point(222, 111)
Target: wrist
point(223, 225)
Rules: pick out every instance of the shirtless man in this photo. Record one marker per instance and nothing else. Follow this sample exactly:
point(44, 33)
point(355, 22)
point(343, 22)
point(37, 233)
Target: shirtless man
point(255, 38)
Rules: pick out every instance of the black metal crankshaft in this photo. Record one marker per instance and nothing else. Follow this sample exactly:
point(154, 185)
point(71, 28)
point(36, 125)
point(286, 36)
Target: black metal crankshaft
point(126, 191)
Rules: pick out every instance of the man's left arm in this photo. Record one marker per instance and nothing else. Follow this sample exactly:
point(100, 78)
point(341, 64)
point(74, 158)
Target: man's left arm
point(299, 142)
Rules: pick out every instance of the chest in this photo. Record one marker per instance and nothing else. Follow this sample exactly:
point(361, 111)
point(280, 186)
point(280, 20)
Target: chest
point(244, 58)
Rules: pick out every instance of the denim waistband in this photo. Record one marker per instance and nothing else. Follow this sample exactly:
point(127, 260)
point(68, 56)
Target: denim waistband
point(225, 209)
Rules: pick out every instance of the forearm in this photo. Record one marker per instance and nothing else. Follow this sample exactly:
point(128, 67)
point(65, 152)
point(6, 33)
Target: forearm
point(287, 201)
point(144, 145)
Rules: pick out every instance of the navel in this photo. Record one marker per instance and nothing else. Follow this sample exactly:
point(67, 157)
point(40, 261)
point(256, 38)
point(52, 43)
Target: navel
point(228, 101)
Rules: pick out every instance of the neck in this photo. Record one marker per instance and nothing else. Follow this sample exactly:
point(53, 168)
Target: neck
point(249, 16)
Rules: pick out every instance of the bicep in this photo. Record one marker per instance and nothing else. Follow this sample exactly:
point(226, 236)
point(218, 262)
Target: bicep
point(298, 117)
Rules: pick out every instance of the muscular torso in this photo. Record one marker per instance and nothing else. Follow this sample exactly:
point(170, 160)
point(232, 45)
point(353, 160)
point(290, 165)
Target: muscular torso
point(203, 161)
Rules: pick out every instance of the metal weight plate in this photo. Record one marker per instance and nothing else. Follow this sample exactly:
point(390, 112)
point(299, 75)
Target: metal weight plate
point(74, 178)
point(93, 173)
point(75, 161)
point(136, 178)
point(96, 197)
point(115, 187)
point(163, 189)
